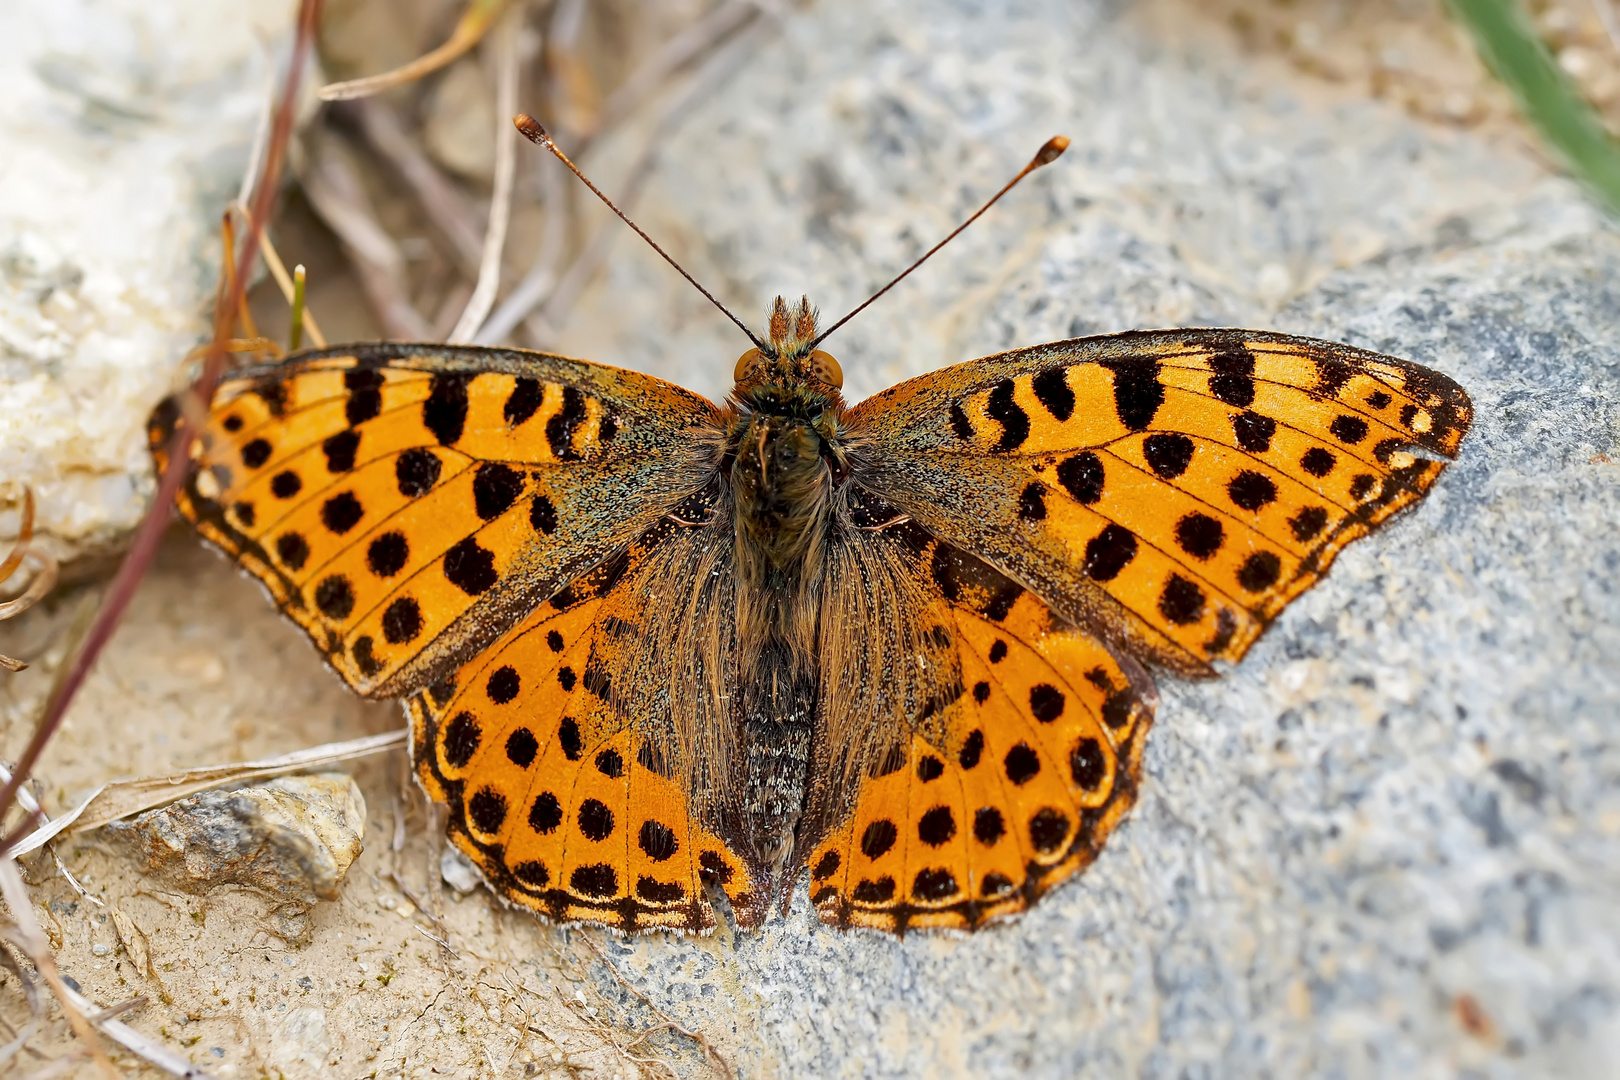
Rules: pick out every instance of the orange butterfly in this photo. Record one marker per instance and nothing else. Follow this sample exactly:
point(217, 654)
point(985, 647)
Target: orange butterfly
point(652, 647)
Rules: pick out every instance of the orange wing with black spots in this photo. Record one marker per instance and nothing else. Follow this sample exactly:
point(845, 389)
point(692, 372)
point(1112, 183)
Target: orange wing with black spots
point(561, 749)
point(1171, 490)
point(406, 504)
point(1014, 741)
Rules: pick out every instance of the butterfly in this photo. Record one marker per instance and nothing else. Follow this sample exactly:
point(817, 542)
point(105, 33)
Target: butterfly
point(657, 651)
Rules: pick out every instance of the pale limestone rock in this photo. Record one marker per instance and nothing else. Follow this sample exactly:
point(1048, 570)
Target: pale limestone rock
point(291, 839)
point(126, 130)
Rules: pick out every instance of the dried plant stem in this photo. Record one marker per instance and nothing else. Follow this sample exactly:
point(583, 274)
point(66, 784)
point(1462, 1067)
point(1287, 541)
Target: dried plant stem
point(30, 939)
point(25, 533)
point(719, 65)
point(335, 191)
point(542, 277)
point(445, 205)
point(474, 22)
point(122, 798)
point(150, 530)
point(500, 206)
point(284, 282)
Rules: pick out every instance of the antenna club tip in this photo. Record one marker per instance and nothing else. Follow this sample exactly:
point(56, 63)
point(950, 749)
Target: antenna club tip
point(1052, 150)
point(530, 128)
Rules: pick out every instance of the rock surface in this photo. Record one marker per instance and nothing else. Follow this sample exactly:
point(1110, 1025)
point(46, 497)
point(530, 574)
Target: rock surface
point(126, 131)
point(292, 840)
point(1383, 845)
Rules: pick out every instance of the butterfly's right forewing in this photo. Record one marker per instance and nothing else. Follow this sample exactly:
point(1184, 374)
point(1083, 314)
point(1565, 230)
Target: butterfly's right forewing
point(1171, 490)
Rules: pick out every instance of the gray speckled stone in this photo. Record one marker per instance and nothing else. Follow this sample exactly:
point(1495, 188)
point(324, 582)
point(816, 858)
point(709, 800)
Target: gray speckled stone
point(1402, 811)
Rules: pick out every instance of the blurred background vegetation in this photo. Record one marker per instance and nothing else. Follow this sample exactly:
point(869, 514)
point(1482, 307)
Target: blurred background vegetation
point(392, 202)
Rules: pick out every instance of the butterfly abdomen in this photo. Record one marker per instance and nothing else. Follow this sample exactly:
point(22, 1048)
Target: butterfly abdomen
point(781, 457)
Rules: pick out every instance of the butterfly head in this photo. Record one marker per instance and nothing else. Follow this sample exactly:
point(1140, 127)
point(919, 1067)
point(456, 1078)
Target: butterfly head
point(789, 358)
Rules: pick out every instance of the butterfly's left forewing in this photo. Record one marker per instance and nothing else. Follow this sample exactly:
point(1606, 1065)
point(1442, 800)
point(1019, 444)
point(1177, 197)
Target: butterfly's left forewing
point(406, 504)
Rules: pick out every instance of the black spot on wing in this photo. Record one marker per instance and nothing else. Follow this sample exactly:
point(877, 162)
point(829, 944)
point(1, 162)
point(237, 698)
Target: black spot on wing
point(470, 567)
point(416, 471)
point(1253, 431)
point(1109, 552)
point(445, 411)
point(560, 428)
point(521, 403)
point(1005, 411)
point(1168, 454)
point(1138, 393)
point(1233, 381)
point(495, 488)
point(1052, 391)
point(1082, 477)
point(960, 425)
point(340, 450)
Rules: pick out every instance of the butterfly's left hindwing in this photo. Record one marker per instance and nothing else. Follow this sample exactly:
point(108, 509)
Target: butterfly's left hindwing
point(406, 504)
point(1007, 744)
point(1172, 490)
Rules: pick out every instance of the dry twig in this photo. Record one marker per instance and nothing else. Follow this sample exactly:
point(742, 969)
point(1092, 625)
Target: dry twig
point(335, 192)
point(561, 300)
point(122, 798)
point(474, 22)
point(25, 933)
point(441, 200)
point(143, 548)
point(500, 207)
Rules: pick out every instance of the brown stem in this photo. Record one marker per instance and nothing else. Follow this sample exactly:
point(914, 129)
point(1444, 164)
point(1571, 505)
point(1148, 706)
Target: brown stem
point(150, 531)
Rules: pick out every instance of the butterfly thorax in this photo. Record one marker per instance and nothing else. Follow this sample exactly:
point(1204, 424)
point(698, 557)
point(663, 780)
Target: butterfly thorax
point(784, 460)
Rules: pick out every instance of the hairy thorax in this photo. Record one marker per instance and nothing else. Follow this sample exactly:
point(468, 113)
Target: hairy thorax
point(785, 462)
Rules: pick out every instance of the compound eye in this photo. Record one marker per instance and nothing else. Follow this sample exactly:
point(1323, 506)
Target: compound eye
point(744, 362)
point(825, 368)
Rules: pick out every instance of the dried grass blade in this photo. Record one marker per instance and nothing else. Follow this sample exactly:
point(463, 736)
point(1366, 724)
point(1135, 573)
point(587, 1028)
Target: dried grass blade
point(143, 548)
point(472, 27)
point(25, 533)
point(500, 204)
point(28, 937)
point(122, 798)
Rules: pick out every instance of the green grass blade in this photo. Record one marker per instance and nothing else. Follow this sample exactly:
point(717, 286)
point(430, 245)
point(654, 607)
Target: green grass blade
point(1510, 46)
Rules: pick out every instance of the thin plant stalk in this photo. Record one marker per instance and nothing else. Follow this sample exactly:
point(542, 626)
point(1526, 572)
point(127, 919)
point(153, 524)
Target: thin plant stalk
point(295, 336)
point(1510, 47)
point(150, 531)
point(500, 206)
point(475, 22)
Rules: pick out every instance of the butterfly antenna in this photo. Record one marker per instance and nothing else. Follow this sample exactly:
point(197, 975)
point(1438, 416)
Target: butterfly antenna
point(531, 130)
point(1047, 154)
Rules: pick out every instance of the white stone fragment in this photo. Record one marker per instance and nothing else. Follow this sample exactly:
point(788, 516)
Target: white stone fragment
point(126, 130)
